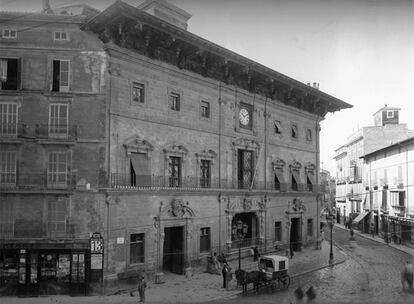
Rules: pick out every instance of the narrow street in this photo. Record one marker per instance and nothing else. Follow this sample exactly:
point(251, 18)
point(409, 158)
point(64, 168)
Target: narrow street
point(371, 274)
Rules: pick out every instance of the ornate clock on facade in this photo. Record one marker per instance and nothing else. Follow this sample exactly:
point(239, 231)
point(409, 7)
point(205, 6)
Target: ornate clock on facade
point(245, 116)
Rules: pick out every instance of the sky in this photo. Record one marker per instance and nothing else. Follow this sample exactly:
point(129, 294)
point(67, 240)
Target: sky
point(360, 51)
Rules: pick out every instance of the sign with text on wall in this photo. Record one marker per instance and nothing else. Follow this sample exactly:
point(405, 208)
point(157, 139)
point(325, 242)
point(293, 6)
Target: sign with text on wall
point(97, 248)
point(97, 243)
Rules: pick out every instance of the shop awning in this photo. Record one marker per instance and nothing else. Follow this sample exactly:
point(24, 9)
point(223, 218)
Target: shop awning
point(360, 217)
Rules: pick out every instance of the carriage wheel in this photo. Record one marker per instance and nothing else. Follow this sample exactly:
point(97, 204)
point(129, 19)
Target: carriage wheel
point(285, 281)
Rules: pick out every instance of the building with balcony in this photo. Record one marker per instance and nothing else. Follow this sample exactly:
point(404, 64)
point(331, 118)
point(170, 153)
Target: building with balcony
point(390, 173)
point(52, 148)
point(352, 177)
point(165, 141)
point(200, 140)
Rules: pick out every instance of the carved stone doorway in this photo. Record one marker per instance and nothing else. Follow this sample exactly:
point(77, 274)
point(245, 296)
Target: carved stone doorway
point(173, 256)
point(295, 234)
point(252, 235)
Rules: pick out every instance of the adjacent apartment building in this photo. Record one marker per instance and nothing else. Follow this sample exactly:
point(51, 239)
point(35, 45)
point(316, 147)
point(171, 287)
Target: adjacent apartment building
point(352, 177)
point(153, 148)
point(390, 173)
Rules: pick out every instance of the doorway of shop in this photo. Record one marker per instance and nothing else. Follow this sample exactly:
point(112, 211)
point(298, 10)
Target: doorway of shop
point(173, 257)
point(295, 235)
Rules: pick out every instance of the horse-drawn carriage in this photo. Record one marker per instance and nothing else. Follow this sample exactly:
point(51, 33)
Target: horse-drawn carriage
point(272, 273)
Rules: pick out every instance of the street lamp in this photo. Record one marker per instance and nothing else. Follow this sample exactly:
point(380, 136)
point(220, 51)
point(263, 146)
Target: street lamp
point(330, 221)
point(239, 232)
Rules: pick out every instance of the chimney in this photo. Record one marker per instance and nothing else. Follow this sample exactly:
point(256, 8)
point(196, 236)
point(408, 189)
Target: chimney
point(167, 12)
point(46, 7)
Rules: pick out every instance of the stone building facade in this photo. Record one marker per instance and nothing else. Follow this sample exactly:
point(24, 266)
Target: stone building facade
point(52, 151)
point(208, 150)
point(128, 127)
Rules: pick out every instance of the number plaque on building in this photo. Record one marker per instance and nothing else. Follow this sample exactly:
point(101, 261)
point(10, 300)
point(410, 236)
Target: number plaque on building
point(97, 247)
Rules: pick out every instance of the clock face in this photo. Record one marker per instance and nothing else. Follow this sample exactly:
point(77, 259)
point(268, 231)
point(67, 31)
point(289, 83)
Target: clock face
point(244, 117)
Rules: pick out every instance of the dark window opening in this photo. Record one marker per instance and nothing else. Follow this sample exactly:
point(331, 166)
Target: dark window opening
point(205, 239)
point(174, 171)
point(278, 127)
point(174, 101)
point(310, 227)
point(401, 198)
point(60, 75)
point(277, 183)
point(309, 185)
point(294, 131)
point(136, 248)
point(205, 109)
point(245, 169)
point(309, 135)
point(9, 74)
point(278, 231)
point(294, 184)
point(205, 173)
point(138, 92)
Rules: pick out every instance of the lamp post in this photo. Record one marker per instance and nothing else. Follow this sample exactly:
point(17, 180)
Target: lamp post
point(330, 221)
point(239, 232)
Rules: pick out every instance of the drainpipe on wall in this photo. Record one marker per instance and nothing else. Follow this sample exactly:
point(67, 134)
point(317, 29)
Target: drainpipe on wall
point(219, 166)
point(406, 186)
point(317, 129)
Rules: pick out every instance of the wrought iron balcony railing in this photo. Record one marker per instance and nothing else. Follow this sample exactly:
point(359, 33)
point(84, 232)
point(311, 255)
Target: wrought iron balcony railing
point(13, 130)
point(131, 181)
point(37, 181)
point(57, 132)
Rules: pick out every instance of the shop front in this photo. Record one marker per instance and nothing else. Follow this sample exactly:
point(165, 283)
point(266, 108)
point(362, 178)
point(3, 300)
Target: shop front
point(44, 269)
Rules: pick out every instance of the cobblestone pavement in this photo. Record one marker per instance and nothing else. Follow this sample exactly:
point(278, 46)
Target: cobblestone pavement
point(371, 274)
point(201, 287)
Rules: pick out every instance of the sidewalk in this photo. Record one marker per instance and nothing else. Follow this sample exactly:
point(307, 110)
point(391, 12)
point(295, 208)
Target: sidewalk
point(201, 286)
point(379, 239)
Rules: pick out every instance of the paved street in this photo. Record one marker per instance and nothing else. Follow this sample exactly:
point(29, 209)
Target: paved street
point(371, 274)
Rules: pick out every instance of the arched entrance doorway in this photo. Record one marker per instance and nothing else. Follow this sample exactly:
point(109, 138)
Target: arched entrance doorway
point(251, 237)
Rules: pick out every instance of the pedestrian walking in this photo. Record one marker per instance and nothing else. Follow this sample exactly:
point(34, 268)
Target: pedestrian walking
point(291, 251)
point(216, 264)
point(142, 285)
point(322, 235)
point(224, 272)
point(407, 277)
point(372, 230)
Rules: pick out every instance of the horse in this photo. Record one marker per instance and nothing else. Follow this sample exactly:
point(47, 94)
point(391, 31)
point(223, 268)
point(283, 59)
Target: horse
point(245, 277)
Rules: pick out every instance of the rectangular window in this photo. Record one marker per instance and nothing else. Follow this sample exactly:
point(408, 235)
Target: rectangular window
point(60, 74)
point(205, 173)
point(138, 92)
point(294, 131)
point(205, 241)
point(245, 169)
point(174, 101)
point(58, 120)
point(136, 248)
point(57, 169)
point(9, 74)
point(9, 34)
point(278, 231)
point(61, 36)
point(294, 183)
point(309, 185)
point(278, 127)
point(8, 119)
point(174, 171)
point(277, 183)
point(310, 227)
point(390, 114)
point(308, 134)
point(205, 109)
point(7, 168)
point(56, 216)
